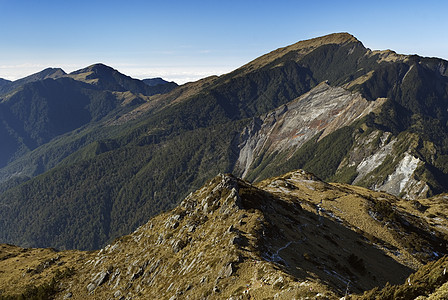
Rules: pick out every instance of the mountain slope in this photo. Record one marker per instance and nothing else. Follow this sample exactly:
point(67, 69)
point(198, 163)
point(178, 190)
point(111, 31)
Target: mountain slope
point(42, 110)
point(106, 78)
point(4, 82)
point(167, 85)
point(412, 94)
point(8, 86)
point(202, 117)
point(328, 105)
point(50, 103)
point(430, 282)
point(321, 111)
point(290, 236)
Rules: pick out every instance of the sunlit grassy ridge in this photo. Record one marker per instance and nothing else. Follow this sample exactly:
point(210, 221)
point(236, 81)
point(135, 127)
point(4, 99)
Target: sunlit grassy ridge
point(291, 236)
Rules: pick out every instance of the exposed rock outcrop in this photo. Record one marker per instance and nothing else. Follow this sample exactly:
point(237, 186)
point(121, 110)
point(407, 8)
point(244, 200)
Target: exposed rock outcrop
point(321, 111)
point(286, 237)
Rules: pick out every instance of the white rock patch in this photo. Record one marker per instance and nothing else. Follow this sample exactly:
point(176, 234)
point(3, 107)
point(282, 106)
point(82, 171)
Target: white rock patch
point(373, 161)
point(399, 180)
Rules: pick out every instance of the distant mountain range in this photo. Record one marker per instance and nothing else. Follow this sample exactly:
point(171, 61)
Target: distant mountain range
point(45, 105)
point(8, 86)
point(89, 156)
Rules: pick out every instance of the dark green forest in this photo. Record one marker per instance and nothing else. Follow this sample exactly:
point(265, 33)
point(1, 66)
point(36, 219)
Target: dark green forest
point(72, 180)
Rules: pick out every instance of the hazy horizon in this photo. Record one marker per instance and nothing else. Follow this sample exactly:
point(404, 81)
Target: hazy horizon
point(185, 41)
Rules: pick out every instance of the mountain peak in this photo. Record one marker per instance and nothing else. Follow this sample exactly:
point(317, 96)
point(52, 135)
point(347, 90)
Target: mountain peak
point(333, 38)
point(306, 46)
point(301, 49)
point(98, 68)
point(102, 76)
point(53, 73)
point(44, 74)
point(341, 38)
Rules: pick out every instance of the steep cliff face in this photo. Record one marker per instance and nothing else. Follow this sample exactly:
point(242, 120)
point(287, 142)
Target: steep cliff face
point(333, 132)
point(388, 163)
point(375, 159)
point(321, 111)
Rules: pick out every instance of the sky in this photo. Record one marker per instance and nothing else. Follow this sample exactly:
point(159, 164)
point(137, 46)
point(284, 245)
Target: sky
point(187, 40)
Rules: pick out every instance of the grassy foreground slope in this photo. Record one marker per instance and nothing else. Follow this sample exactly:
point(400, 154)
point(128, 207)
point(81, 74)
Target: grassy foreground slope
point(292, 236)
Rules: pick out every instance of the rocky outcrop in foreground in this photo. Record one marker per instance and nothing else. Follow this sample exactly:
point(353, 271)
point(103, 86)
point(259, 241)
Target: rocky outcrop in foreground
point(289, 237)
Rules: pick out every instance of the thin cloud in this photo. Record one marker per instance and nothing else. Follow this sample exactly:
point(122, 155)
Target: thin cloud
point(178, 75)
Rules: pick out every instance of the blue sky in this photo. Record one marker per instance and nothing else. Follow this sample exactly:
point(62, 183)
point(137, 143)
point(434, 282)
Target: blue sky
point(188, 40)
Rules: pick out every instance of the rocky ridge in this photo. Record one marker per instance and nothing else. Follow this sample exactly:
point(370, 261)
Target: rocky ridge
point(292, 236)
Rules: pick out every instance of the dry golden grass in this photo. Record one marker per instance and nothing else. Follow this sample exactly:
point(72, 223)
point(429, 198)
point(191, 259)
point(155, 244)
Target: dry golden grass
point(21, 268)
point(159, 101)
point(288, 237)
point(300, 49)
point(388, 55)
point(358, 81)
point(83, 77)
